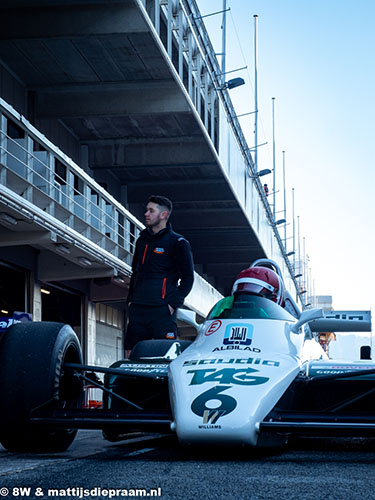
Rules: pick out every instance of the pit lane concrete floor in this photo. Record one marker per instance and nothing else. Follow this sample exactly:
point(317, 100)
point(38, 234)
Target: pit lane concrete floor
point(313, 469)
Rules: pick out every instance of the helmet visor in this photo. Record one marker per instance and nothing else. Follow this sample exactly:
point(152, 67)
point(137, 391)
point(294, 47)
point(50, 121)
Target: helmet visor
point(253, 285)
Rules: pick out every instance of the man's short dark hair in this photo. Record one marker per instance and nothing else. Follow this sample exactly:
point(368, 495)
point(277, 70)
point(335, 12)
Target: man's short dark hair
point(162, 201)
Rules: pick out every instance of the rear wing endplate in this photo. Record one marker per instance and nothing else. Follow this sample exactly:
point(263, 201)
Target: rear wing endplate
point(343, 321)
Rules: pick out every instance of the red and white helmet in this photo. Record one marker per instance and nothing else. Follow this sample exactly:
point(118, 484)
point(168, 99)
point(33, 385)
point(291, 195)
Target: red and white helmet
point(260, 281)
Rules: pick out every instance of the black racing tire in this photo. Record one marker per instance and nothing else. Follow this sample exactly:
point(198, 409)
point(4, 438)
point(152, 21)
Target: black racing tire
point(155, 348)
point(31, 358)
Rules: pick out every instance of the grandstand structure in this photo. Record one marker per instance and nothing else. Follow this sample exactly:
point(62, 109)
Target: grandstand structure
point(103, 103)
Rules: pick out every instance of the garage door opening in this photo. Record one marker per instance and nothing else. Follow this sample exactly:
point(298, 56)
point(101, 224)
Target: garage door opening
point(63, 306)
point(14, 290)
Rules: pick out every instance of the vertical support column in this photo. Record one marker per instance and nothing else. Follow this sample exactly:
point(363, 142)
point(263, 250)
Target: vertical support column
point(86, 202)
point(127, 236)
point(86, 209)
point(169, 29)
point(213, 99)
point(157, 17)
point(37, 303)
point(102, 216)
point(49, 174)
point(70, 190)
point(91, 333)
point(206, 99)
point(3, 129)
point(110, 215)
point(50, 186)
point(29, 143)
point(28, 193)
point(70, 196)
point(199, 83)
point(3, 138)
point(180, 45)
point(190, 65)
point(115, 237)
point(56, 185)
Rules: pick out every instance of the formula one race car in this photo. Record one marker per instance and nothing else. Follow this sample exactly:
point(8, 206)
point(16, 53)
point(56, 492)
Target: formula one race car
point(254, 375)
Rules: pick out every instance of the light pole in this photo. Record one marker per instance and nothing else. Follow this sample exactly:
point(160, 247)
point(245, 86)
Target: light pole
point(284, 199)
point(256, 92)
point(294, 234)
point(274, 158)
point(223, 40)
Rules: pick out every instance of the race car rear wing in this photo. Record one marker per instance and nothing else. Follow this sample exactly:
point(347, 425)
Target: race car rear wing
point(343, 321)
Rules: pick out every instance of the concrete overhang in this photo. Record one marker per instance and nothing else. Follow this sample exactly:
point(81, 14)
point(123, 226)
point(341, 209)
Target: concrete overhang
point(96, 67)
point(63, 257)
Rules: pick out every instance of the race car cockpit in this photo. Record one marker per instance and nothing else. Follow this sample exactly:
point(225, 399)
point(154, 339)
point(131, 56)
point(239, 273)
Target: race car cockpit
point(258, 293)
point(248, 306)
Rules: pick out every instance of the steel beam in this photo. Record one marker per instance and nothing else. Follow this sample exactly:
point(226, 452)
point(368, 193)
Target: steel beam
point(13, 238)
point(71, 272)
point(151, 155)
point(103, 102)
point(71, 21)
point(189, 191)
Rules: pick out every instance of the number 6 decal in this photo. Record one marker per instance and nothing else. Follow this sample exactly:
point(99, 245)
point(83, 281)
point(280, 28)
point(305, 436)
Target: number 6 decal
point(228, 404)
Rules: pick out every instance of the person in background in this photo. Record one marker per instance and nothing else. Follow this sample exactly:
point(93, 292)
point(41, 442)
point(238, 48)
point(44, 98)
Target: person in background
point(162, 276)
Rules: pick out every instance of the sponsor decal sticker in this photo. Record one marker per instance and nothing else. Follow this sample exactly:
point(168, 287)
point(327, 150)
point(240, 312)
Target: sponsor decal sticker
point(159, 250)
point(144, 368)
point(236, 348)
point(344, 367)
point(212, 405)
point(18, 317)
point(170, 335)
point(236, 376)
point(211, 415)
point(242, 361)
point(236, 334)
point(320, 369)
point(209, 426)
point(214, 327)
point(6, 323)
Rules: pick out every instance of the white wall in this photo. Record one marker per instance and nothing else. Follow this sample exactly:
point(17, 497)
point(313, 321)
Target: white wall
point(347, 346)
point(235, 167)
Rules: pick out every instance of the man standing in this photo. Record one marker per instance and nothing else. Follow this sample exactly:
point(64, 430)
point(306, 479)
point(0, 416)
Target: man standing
point(163, 275)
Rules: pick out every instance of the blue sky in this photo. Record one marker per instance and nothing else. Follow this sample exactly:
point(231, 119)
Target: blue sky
point(316, 57)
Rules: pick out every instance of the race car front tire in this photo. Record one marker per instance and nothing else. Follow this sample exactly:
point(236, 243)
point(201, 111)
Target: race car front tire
point(32, 355)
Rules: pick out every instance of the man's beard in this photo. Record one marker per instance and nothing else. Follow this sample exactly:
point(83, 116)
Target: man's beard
point(153, 224)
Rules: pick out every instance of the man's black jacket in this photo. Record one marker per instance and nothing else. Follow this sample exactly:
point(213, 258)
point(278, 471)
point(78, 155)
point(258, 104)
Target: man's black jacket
point(160, 261)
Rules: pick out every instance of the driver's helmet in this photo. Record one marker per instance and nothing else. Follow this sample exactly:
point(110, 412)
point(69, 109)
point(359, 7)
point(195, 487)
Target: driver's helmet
point(260, 281)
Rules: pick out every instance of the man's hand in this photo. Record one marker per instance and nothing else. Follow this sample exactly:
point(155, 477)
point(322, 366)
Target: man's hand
point(171, 310)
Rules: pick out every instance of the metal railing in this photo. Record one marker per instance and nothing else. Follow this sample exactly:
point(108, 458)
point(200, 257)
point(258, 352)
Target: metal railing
point(38, 172)
point(35, 173)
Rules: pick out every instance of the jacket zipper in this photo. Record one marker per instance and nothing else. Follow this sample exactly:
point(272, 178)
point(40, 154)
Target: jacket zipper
point(164, 289)
point(144, 254)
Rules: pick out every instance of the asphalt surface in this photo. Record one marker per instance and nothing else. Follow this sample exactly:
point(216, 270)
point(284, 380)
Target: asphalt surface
point(93, 468)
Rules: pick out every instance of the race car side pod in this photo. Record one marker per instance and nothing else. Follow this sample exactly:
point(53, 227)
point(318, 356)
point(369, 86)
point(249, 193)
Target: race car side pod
point(313, 424)
point(333, 376)
point(118, 371)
